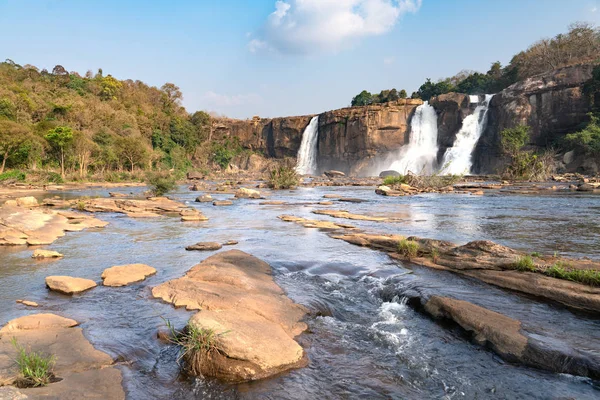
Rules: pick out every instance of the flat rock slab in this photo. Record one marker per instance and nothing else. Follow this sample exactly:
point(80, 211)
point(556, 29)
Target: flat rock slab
point(148, 208)
point(39, 253)
point(255, 321)
point(68, 284)
point(85, 371)
point(123, 275)
point(243, 193)
point(205, 246)
point(223, 203)
point(28, 303)
point(347, 215)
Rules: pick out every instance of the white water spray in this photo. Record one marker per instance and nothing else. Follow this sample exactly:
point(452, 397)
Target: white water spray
point(458, 159)
point(419, 155)
point(307, 155)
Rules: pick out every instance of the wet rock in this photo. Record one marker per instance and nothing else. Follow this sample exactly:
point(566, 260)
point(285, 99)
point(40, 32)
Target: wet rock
point(585, 187)
point(206, 198)
point(331, 196)
point(204, 246)
point(117, 194)
point(221, 203)
point(334, 174)
point(325, 203)
point(11, 393)
point(242, 304)
point(69, 285)
point(39, 253)
point(149, 208)
point(243, 193)
point(311, 223)
point(347, 215)
point(192, 215)
point(123, 275)
point(351, 200)
point(28, 201)
point(83, 371)
point(28, 303)
point(230, 243)
point(385, 174)
point(273, 203)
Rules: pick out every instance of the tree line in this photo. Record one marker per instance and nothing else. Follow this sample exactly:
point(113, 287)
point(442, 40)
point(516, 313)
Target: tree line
point(580, 44)
point(59, 120)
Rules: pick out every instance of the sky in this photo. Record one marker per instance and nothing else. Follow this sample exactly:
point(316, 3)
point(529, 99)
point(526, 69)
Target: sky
point(271, 58)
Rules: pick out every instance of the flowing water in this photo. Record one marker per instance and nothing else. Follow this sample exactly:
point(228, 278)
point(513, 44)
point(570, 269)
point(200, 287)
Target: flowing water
point(363, 341)
point(307, 154)
point(419, 155)
point(458, 159)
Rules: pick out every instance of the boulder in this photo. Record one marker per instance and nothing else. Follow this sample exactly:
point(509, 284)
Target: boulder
point(385, 174)
point(28, 303)
point(192, 215)
point(195, 175)
point(255, 322)
point(204, 246)
point(123, 275)
point(243, 193)
point(334, 174)
point(80, 369)
point(69, 285)
point(28, 201)
point(39, 253)
point(206, 198)
point(585, 187)
point(569, 157)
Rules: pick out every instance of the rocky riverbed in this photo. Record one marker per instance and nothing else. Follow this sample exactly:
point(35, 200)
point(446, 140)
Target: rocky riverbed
point(358, 321)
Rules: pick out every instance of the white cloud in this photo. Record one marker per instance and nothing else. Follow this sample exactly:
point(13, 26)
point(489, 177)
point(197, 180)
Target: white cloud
point(594, 9)
point(308, 26)
point(388, 60)
point(222, 100)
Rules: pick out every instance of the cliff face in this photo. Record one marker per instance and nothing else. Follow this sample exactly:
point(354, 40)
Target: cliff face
point(552, 104)
point(452, 109)
point(351, 138)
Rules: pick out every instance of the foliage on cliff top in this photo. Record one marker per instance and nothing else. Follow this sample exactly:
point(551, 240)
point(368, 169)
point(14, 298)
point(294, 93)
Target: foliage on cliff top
point(588, 139)
point(115, 124)
point(581, 44)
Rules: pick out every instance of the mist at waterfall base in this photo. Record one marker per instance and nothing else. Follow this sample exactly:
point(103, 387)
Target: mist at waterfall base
point(307, 154)
point(419, 156)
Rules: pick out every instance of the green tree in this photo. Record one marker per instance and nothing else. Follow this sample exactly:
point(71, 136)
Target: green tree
point(109, 87)
point(588, 139)
point(13, 136)
point(60, 138)
point(402, 94)
point(430, 89)
point(7, 109)
point(131, 150)
point(364, 98)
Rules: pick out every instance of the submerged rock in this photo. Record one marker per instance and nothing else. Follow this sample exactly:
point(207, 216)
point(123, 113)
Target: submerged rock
point(222, 203)
point(39, 253)
point(207, 198)
point(254, 321)
point(81, 371)
point(68, 284)
point(123, 275)
point(205, 246)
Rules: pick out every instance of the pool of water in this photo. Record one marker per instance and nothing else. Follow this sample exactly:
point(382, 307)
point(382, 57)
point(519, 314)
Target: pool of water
point(363, 341)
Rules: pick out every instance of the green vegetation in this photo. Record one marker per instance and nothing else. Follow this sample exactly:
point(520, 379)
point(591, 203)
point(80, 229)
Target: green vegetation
point(197, 345)
point(160, 183)
point(18, 176)
point(35, 367)
point(282, 177)
point(587, 140)
point(365, 98)
point(579, 45)
point(525, 264)
point(408, 248)
point(561, 270)
point(535, 254)
point(394, 180)
point(223, 153)
point(525, 164)
point(435, 254)
point(95, 124)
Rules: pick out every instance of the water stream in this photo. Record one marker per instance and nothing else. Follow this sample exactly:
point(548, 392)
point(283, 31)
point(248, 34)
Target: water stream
point(363, 341)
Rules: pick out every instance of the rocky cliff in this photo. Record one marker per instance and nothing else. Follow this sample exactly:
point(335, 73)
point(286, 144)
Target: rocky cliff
point(552, 104)
point(351, 138)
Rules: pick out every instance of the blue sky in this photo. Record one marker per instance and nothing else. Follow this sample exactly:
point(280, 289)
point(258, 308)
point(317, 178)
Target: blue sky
point(277, 58)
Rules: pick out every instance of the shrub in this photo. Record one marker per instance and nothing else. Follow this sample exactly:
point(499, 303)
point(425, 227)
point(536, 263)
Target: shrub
point(561, 270)
point(198, 345)
point(435, 254)
point(35, 367)
point(18, 176)
point(160, 183)
point(535, 254)
point(394, 180)
point(525, 264)
point(525, 164)
point(588, 139)
point(282, 177)
point(408, 248)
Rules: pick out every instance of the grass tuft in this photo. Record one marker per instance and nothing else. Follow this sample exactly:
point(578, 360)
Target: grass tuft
point(561, 270)
point(35, 367)
point(535, 254)
point(525, 264)
point(394, 180)
point(408, 248)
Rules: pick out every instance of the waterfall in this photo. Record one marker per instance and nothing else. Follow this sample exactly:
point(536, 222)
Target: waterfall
point(458, 159)
point(307, 155)
point(419, 155)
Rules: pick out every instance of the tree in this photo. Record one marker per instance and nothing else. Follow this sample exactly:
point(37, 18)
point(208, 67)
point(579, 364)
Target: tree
point(171, 96)
point(12, 137)
point(364, 98)
point(393, 95)
point(7, 109)
point(430, 89)
point(83, 148)
point(60, 138)
point(130, 149)
point(110, 87)
point(402, 94)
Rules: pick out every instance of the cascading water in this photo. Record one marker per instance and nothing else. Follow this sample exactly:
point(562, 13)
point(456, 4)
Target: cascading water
point(419, 156)
point(458, 159)
point(307, 155)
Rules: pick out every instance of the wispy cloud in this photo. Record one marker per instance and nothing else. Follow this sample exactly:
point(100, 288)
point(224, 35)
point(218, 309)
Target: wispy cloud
point(223, 101)
point(594, 9)
point(310, 26)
